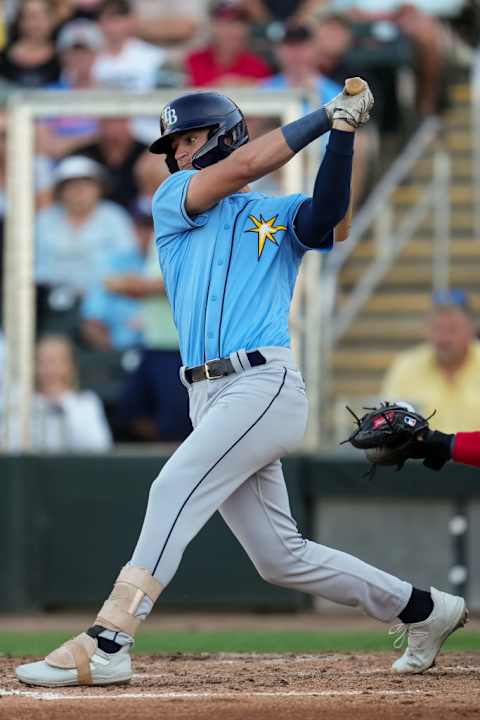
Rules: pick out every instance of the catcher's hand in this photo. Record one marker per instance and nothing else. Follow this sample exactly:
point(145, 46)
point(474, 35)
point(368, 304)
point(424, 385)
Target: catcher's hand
point(353, 109)
point(390, 434)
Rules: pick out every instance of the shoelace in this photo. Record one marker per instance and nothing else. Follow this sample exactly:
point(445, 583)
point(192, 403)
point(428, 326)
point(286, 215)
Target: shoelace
point(415, 636)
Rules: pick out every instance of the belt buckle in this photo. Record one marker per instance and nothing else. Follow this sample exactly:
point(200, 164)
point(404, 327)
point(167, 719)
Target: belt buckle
point(208, 375)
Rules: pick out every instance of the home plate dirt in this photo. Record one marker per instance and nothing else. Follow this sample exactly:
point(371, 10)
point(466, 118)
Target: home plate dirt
point(238, 687)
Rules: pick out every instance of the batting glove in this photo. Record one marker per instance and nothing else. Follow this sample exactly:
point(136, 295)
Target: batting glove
point(353, 109)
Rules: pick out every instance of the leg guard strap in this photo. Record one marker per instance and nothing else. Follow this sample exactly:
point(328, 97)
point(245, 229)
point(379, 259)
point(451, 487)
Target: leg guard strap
point(131, 586)
point(75, 654)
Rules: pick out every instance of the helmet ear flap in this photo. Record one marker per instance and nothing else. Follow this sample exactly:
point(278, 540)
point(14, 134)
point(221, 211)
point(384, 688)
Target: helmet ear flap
point(171, 163)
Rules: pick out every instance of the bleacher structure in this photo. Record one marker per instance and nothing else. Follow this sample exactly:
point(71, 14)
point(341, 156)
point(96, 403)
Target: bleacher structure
point(392, 318)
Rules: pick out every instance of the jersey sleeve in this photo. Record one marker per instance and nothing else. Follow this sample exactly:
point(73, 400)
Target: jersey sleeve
point(466, 448)
point(170, 216)
point(293, 204)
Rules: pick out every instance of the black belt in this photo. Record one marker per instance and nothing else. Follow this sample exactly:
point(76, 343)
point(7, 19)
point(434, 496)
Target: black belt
point(215, 369)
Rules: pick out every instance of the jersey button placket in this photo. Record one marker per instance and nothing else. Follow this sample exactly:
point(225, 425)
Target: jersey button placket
point(213, 310)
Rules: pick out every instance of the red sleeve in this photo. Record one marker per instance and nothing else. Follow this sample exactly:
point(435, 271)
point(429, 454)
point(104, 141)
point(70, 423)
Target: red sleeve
point(466, 448)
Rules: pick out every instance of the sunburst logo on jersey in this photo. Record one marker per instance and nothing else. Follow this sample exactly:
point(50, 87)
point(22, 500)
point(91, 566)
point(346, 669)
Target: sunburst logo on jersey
point(266, 230)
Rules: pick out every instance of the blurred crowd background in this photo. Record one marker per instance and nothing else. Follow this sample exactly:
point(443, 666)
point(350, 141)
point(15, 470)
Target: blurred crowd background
point(107, 356)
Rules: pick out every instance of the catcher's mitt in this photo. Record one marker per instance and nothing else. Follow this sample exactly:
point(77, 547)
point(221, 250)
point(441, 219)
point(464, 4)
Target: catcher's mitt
point(389, 434)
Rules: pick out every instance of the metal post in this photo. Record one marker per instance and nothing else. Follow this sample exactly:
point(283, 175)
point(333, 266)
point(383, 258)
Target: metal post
point(18, 287)
point(458, 527)
point(441, 215)
point(475, 130)
point(383, 231)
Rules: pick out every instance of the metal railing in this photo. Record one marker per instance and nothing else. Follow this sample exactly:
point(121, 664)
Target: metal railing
point(475, 129)
point(377, 217)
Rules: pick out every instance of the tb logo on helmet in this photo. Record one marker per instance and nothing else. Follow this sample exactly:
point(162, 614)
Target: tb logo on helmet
point(169, 116)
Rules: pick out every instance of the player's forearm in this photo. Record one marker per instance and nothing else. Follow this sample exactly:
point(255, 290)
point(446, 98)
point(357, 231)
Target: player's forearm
point(318, 216)
point(269, 152)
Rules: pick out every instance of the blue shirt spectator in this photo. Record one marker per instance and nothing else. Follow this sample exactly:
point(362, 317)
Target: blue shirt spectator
point(78, 235)
point(325, 88)
point(118, 313)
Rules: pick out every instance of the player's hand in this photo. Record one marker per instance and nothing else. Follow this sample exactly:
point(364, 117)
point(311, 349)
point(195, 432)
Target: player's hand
point(352, 109)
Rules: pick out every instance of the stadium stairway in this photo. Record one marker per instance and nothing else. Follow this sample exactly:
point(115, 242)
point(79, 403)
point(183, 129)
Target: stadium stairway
point(393, 318)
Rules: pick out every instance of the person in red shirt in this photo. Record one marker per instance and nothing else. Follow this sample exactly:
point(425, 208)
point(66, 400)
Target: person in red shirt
point(227, 60)
point(437, 448)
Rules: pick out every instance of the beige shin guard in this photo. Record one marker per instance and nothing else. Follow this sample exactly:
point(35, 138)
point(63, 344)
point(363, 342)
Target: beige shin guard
point(117, 613)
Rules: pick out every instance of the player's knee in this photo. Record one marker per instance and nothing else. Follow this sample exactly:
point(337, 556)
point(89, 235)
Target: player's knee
point(160, 485)
point(280, 567)
point(272, 570)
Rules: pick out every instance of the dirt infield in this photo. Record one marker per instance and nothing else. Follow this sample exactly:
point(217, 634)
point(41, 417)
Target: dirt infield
point(239, 687)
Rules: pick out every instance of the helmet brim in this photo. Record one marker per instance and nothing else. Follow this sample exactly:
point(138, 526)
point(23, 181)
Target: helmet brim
point(162, 146)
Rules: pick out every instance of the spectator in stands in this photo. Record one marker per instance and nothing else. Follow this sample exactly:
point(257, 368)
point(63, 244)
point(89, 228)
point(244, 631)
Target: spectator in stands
point(76, 235)
point(126, 63)
point(149, 174)
point(341, 54)
point(68, 10)
point(118, 151)
point(30, 59)
point(268, 11)
point(159, 22)
point(227, 60)
point(3, 197)
point(443, 374)
point(78, 44)
point(154, 404)
point(296, 55)
point(165, 23)
point(63, 418)
point(430, 40)
point(111, 319)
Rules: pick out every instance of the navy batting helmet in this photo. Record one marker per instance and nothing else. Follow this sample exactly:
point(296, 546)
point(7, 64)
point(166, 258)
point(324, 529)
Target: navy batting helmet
point(224, 119)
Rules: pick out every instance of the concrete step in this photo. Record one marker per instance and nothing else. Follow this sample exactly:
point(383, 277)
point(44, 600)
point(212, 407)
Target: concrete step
point(363, 361)
point(460, 194)
point(422, 247)
point(460, 94)
point(461, 222)
point(409, 275)
point(393, 304)
point(460, 117)
point(459, 141)
point(356, 387)
point(385, 331)
point(460, 167)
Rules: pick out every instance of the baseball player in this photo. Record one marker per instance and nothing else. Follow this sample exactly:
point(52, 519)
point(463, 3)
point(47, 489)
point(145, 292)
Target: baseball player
point(229, 258)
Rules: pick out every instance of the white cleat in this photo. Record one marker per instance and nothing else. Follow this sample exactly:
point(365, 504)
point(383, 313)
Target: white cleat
point(105, 669)
point(425, 638)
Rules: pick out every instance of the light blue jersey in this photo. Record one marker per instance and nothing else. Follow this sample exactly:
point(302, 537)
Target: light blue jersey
point(230, 271)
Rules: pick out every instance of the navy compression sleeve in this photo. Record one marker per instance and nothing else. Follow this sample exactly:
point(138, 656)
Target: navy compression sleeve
point(317, 216)
point(300, 133)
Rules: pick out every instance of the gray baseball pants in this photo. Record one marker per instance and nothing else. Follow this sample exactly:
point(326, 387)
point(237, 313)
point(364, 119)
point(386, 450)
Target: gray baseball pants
point(243, 424)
